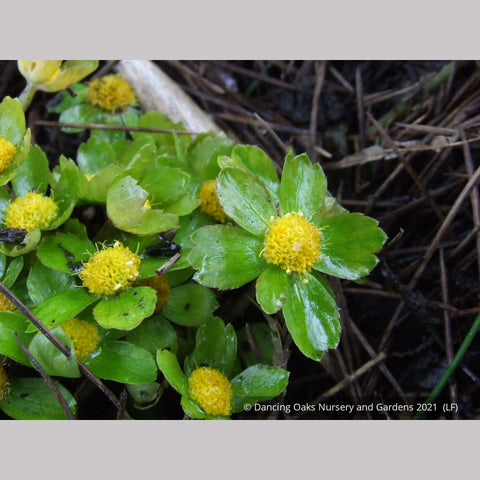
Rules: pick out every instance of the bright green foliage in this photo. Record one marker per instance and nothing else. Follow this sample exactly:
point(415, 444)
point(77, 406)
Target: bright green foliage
point(146, 191)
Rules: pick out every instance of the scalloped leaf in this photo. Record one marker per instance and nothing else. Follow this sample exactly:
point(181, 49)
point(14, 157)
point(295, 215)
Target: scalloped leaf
point(311, 315)
point(225, 257)
point(123, 362)
point(303, 186)
point(127, 309)
point(32, 399)
point(347, 245)
point(245, 199)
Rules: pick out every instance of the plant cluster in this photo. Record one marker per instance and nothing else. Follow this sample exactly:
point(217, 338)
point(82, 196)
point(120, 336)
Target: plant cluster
point(135, 301)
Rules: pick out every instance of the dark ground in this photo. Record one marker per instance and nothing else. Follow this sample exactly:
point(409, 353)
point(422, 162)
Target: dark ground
point(403, 326)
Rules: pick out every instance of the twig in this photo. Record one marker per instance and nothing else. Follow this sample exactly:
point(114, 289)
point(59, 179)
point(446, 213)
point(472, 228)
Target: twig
point(168, 264)
point(447, 327)
point(65, 350)
point(60, 398)
point(346, 381)
point(101, 126)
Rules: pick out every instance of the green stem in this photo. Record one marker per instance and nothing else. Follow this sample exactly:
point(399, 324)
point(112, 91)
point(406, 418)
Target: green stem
point(451, 368)
point(27, 95)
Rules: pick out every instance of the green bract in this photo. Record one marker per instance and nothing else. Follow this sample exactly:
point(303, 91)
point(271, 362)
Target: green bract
point(230, 256)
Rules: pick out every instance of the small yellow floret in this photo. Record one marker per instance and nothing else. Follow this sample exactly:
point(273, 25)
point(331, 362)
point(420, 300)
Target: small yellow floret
point(111, 93)
point(212, 390)
point(292, 243)
point(147, 205)
point(3, 382)
point(5, 304)
point(83, 335)
point(7, 154)
point(110, 270)
point(160, 284)
point(209, 201)
point(34, 210)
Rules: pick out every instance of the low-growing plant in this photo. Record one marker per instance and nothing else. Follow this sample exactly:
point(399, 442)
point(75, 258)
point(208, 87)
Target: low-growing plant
point(135, 300)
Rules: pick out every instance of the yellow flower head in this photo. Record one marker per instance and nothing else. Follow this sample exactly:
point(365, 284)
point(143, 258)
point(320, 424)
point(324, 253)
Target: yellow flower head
point(111, 93)
point(34, 210)
point(5, 304)
point(110, 270)
point(292, 243)
point(7, 154)
point(160, 284)
point(83, 335)
point(212, 390)
point(209, 201)
point(3, 382)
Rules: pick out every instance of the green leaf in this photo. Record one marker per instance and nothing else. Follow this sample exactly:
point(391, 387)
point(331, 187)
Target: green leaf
point(11, 322)
point(204, 154)
point(5, 200)
point(245, 199)
point(126, 310)
point(65, 190)
point(123, 362)
point(303, 186)
point(164, 184)
point(311, 315)
point(64, 251)
point(225, 257)
point(51, 359)
point(12, 120)
point(271, 289)
point(95, 155)
point(190, 305)
point(256, 384)
point(215, 346)
point(32, 399)
point(329, 208)
point(13, 271)
point(347, 245)
point(32, 174)
point(169, 366)
point(125, 200)
point(95, 190)
point(158, 120)
point(183, 206)
point(83, 113)
point(260, 164)
point(154, 333)
point(62, 306)
point(44, 282)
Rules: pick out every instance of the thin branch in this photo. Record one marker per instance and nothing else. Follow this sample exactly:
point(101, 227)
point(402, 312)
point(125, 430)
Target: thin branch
point(60, 398)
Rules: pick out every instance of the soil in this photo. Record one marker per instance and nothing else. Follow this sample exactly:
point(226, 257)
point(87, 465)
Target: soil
point(399, 142)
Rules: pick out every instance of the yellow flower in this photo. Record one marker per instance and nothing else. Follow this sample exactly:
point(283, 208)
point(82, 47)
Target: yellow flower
point(34, 210)
point(5, 304)
point(110, 270)
point(209, 202)
point(7, 154)
point(212, 390)
point(292, 243)
point(3, 382)
point(111, 93)
point(160, 284)
point(83, 335)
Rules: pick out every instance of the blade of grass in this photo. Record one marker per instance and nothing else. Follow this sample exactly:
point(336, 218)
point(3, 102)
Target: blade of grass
point(452, 367)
